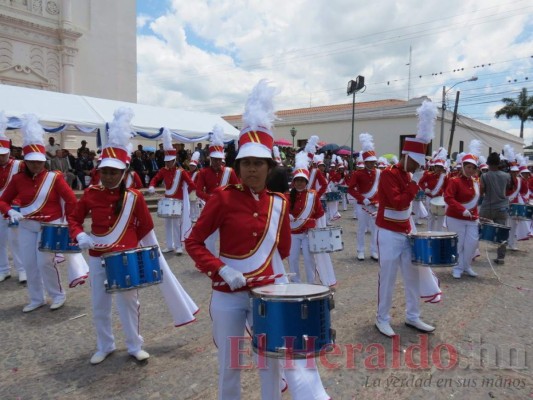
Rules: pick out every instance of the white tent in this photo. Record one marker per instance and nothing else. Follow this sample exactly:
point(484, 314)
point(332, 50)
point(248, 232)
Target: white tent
point(61, 108)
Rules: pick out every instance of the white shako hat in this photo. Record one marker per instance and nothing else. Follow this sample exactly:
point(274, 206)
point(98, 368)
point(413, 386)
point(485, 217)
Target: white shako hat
point(195, 159)
point(440, 157)
point(510, 156)
point(168, 149)
point(474, 151)
point(301, 161)
point(367, 147)
point(117, 152)
point(277, 155)
point(32, 138)
point(310, 147)
point(216, 143)
point(5, 143)
point(255, 138)
point(416, 147)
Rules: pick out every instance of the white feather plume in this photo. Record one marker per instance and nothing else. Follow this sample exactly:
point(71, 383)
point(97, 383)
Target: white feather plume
point(217, 136)
point(427, 115)
point(275, 151)
point(32, 131)
point(509, 153)
point(167, 139)
point(394, 159)
point(521, 160)
point(120, 130)
point(441, 154)
point(195, 156)
point(367, 142)
point(459, 158)
point(482, 160)
point(301, 160)
point(3, 125)
point(319, 158)
point(474, 147)
point(259, 108)
point(310, 147)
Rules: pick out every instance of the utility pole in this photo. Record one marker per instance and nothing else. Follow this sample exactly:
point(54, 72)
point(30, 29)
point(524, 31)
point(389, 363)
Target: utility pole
point(453, 121)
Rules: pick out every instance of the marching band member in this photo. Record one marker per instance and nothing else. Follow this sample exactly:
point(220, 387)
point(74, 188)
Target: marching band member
point(363, 186)
point(261, 219)
point(333, 178)
point(317, 180)
point(342, 182)
point(304, 209)
point(194, 200)
point(396, 193)
point(433, 183)
point(121, 221)
point(8, 168)
point(215, 176)
point(462, 197)
point(41, 194)
point(178, 183)
point(515, 194)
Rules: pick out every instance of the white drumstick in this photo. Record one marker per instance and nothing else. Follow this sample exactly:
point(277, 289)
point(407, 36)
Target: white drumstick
point(259, 278)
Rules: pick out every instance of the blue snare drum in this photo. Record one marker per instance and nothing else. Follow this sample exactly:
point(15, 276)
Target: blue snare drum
point(342, 188)
point(333, 196)
point(132, 269)
point(55, 238)
point(16, 223)
point(436, 249)
point(521, 211)
point(492, 232)
point(420, 196)
point(291, 320)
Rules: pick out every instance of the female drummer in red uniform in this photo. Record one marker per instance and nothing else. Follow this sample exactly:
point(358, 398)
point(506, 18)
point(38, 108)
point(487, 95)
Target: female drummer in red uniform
point(41, 194)
point(254, 238)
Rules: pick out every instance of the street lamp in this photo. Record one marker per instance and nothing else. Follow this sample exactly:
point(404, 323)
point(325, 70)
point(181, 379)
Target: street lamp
point(443, 108)
point(293, 134)
point(354, 86)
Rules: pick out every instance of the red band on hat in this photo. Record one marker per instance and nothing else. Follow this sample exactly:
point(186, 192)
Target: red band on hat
point(117, 153)
point(171, 152)
point(301, 171)
point(5, 143)
point(259, 137)
point(34, 148)
point(213, 149)
point(414, 147)
point(370, 153)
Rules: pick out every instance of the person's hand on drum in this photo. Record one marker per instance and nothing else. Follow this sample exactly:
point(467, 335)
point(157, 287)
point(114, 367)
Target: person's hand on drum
point(151, 190)
point(427, 191)
point(366, 202)
point(14, 216)
point(235, 279)
point(85, 241)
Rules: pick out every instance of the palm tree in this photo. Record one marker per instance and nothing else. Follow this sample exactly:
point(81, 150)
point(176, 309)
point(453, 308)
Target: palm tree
point(522, 108)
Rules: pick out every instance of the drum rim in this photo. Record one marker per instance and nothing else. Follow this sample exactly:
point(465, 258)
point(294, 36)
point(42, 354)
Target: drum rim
point(421, 264)
point(286, 297)
point(172, 200)
point(146, 284)
point(297, 355)
point(495, 224)
point(420, 235)
point(43, 224)
point(134, 250)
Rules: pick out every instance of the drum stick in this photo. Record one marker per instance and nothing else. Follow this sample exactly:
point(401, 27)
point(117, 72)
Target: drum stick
point(259, 278)
point(371, 213)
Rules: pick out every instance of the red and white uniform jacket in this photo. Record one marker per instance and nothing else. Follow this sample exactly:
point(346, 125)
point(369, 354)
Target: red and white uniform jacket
point(7, 172)
point(317, 181)
point(435, 182)
point(39, 196)
point(514, 193)
point(174, 180)
point(133, 180)
point(306, 210)
point(130, 225)
point(364, 183)
point(208, 180)
point(462, 194)
point(251, 230)
point(396, 192)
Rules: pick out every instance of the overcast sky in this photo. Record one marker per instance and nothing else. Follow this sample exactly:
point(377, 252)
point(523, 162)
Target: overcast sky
point(206, 55)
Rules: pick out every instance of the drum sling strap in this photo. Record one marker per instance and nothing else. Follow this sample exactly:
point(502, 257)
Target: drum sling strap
point(41, 196)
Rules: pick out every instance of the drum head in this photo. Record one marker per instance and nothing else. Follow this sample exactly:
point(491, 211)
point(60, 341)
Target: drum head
point(289, 290)
point(438, 201)
point(434, 234)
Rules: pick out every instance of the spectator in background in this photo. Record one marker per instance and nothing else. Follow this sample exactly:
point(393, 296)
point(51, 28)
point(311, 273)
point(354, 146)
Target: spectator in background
point(151, 165)
point(138, 165)
point(83, 147)
point(60, 163)
point(83, 168)
point(16, 153)
point(231, 153)
point(160, 156)
point(182, 153)
point(51, 149)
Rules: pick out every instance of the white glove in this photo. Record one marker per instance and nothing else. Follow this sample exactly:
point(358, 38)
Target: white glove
point(14, 216)
point(427, 191)
point(233, 278)
point(85, 241)
point(151, 190)
point(467, 213)
point(366, 202)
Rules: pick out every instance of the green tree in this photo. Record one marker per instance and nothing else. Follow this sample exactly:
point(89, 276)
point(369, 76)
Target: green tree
point(521, 107)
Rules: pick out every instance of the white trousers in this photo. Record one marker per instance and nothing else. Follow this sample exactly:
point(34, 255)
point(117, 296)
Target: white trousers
point(333, 210)
point(395, 253)
point(128, 310)
point(173, 233)
point(230, 312)
point(195, 209)
point(9, 237)
point(467, 241)
point(300, 244)
point(365, 220)
point(41, 271)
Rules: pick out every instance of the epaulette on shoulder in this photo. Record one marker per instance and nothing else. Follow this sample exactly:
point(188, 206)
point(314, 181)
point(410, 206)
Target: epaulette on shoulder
point(237, 186)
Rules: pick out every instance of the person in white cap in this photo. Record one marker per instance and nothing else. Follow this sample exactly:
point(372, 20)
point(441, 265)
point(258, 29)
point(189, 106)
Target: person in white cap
point(8, 168)
point(255, 236)
point(434, 182)
point(193, 198)
point(396, 193)
point(44, 197)
point(462, 197)
point(363, 186)
point(515, 194)
point(121, 221)
point(178, 184)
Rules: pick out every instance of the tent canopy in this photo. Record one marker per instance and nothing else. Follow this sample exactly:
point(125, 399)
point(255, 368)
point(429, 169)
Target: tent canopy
point(62, 108)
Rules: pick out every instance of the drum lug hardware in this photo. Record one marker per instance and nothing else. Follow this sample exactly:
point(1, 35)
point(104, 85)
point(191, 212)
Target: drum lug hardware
point(261, 309)
point(128, 280)
point(305, 339)
point(331, 303)
point(304, 311)
point(155, 275)
point(124, 259)
point(58, 245)
point(333, 334)
point(283, 350)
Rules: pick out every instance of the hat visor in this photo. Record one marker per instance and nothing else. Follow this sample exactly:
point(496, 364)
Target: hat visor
point(170, 158)
point(3, 150)
point(371, 158)
point(216, 154)
point(257, 151)
point(112, 163)
point(301, 175)
point(34, 157)
point(420, 159)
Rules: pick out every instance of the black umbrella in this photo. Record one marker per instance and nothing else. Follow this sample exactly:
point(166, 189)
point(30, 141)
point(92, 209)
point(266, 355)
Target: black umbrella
point(329, 147)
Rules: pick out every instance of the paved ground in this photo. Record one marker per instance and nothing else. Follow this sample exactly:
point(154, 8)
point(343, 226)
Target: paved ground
point(481, 323)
